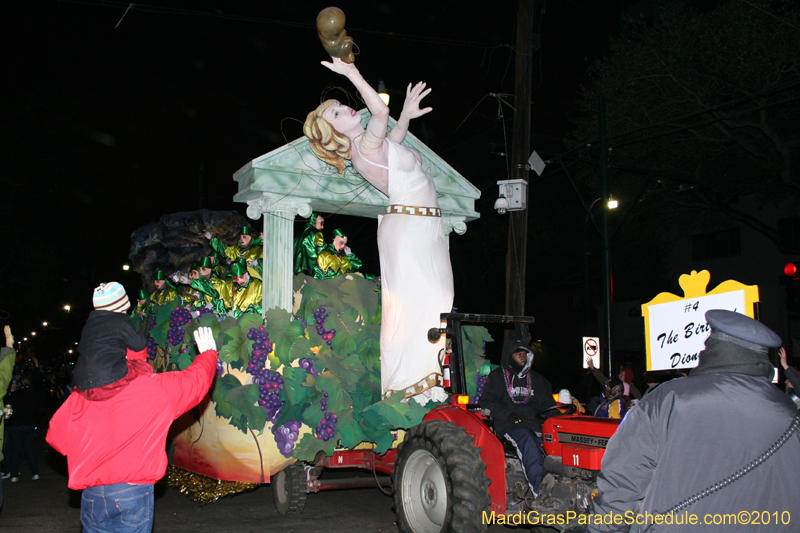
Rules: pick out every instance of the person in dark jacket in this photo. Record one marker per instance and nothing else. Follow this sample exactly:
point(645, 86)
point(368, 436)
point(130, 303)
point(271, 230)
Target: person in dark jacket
point(693, 434)
point(28, 403)
point(106, 338)
point(515, 394)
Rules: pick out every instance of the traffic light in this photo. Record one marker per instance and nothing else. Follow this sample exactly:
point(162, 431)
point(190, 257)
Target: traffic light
point(792, 271)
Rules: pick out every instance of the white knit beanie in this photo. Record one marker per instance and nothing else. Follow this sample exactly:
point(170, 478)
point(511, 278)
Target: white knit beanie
point(110, 297)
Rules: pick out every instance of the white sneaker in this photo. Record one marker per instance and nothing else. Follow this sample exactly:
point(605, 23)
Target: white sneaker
point(6, 476)
point(14, 479)
point(35, 477)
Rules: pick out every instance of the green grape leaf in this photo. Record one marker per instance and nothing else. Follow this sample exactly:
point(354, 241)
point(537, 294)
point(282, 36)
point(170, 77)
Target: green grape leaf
point(244, 399)
point(359, 294)
point(349, 374)
point(312, 415)
point(231, 343)
point(416, 413)
point(349, 429)
point(355, 369)
point(310, 445)
point(208, 320)
point(248, 321)
point(287, 336)
point(368, 341)
point(293, 385)
point(185, 360)
point(290, 412)
point(239, 421)
point(367, 391)
point(338, 397)
point(344, 322)
point(221, 387)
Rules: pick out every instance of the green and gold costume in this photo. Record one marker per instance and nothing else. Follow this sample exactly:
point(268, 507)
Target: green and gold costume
point(307, 246)
point(215, 291)
point(332, 263)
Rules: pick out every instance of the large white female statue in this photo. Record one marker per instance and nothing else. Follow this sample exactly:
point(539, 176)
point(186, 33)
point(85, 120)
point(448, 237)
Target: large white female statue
point(416, 276)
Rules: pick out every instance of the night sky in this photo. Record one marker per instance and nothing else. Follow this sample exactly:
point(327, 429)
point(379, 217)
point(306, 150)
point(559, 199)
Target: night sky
point(112, 119)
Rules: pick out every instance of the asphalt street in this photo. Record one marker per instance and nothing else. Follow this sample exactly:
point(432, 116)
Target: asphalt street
point(48, 506)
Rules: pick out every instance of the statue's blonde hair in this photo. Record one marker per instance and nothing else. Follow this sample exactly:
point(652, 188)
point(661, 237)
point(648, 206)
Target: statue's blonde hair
point(328, 145)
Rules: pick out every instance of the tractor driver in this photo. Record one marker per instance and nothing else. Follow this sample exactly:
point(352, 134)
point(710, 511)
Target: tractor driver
point(514, 394)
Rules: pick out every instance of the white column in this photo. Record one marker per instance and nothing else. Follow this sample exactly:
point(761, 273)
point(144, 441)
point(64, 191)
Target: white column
point(279, 213)
point(452, 223)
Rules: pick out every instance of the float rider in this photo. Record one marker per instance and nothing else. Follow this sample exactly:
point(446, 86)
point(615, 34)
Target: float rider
point(164, 291)
point(213, 288)
point(308, 244)
point(246, 294)
point(245, 250)
point(336, 259)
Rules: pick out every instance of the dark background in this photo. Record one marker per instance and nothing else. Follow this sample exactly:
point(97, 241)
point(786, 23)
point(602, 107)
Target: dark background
point(112, 119)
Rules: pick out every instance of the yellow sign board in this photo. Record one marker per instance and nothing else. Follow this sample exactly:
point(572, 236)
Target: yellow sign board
point(676, 328)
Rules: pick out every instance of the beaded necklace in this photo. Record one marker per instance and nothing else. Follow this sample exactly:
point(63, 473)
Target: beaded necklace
point(507, 374)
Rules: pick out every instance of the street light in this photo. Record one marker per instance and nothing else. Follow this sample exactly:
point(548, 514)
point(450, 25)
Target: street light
point(382, 92)
point(33, 333)
point(604, 234)
point(126, 267)
point(44, 324)
point(67, 308)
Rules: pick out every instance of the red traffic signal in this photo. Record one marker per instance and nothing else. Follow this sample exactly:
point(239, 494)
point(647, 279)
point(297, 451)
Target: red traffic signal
point(791, 269)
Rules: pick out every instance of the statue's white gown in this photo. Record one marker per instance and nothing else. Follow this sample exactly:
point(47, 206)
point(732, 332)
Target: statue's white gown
point(416, 279)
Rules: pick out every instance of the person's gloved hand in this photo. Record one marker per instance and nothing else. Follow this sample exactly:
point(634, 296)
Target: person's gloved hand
point(207, 235)
point(252, 263)
point(204, 339)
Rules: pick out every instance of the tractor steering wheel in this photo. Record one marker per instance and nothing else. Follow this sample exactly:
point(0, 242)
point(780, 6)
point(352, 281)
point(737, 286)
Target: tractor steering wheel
point(570, 408)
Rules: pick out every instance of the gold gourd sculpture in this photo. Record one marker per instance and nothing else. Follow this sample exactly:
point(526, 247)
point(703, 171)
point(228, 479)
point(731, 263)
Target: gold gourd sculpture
point(335, 41)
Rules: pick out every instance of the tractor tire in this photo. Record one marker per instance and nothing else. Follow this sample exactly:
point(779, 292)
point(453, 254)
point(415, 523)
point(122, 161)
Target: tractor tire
point(439, 480)
point(289, 489)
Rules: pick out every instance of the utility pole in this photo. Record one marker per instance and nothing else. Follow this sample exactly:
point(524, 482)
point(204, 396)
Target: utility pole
point(605, 233)
point(520, 152)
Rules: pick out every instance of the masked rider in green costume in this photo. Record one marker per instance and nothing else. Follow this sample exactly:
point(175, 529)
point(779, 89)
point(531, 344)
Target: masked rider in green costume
point(245, 292)
point(165, 291)
point(248, 249)
point(308, 245)
point(214, 289)
point(335, 259)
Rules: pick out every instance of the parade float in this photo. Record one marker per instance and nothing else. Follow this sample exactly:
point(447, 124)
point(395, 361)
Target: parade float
point(303, 380)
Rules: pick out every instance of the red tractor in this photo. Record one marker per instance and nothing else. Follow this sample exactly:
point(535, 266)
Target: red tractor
point(451, 473)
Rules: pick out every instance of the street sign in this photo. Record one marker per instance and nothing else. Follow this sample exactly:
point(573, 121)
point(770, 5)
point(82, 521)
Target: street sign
point(591, 348)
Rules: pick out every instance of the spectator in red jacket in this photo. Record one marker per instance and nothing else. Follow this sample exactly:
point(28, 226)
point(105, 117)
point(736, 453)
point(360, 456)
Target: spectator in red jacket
point(114, 434)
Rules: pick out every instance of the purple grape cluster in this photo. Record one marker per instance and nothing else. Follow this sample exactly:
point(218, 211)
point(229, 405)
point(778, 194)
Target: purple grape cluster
point(270, 384)
point(204, 311)
point(178, 318)
point(286, 436)
point(320, 316)
point(480, 381)
point(152, 321)
point(326, 427)
point(151, 348)
point(323, 403)
point(220, 367)
point(308, 366)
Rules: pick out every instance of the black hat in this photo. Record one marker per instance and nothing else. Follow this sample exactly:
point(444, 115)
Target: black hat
point(743, 330)
point(737, 344)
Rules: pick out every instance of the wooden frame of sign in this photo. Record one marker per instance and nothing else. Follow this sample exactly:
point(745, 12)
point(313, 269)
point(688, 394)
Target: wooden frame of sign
point(676, 328)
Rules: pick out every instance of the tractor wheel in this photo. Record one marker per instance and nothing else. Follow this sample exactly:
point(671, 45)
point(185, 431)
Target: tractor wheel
point(289, 489)
point(439, 480)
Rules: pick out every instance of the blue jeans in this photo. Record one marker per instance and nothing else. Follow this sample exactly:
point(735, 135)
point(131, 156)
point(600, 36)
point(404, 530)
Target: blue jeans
point(120, 508)
point(529, 451)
